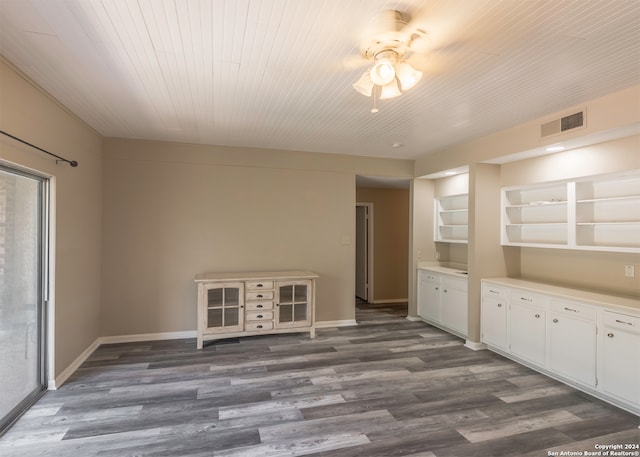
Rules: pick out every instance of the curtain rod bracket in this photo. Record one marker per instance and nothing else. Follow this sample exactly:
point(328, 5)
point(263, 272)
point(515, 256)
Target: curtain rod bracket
point(73, 163)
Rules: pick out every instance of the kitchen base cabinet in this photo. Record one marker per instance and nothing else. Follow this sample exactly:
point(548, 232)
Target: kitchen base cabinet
point(572, 335)
point(588, 340)
point(494, 316)
point(442, 299)
point(255, 303)
point(527, 330)
point(620, 359)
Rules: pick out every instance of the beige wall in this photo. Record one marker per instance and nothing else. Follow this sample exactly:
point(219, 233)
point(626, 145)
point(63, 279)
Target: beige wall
point(172, 211)
point(391, 241)
point(26, 112)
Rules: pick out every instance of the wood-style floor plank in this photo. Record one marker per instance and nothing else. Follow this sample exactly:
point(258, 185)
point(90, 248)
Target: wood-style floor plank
point(387, 387)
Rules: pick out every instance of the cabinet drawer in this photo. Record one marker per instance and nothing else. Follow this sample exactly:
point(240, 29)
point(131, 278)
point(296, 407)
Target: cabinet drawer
point(259, 305)
point(454, 283)
point(624, 322)
point(259, 285)
point(526, 298)
point(491, 291)
point(260, 295)
point(258, 315)
point(258, 325)
point(428, 276)
point(574, 310)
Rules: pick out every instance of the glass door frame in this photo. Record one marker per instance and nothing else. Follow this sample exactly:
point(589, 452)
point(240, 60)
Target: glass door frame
point(44, 319)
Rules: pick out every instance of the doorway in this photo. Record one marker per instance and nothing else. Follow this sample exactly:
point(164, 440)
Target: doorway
point(364, 251)
point(23, 226)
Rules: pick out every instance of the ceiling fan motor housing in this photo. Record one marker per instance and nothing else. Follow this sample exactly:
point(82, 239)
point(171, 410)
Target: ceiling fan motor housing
point(385, 34)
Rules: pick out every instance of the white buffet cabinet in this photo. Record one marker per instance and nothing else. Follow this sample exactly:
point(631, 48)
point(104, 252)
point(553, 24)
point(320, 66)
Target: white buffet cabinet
point(255, 303)
point(442, 298)
point(588, 340)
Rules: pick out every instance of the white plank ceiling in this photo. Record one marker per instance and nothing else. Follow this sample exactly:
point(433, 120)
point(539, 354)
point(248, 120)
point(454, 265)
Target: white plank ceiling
point(278, 73)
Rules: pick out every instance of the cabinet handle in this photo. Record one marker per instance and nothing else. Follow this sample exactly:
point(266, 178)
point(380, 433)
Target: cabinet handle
point(258, 326)
point(259, 316)
point(445, 290)
point(623, 322)
point(258, 306)
point(537, 316)
point(555, 321)
point(437, 288)
point(259, 295)
point(526, 299)
point(572, 310)
point(610, 335)
point(493, 291)
point(499, 305)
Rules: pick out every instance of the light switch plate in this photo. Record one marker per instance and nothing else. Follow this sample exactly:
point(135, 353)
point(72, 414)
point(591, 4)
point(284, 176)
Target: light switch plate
point(629, 271)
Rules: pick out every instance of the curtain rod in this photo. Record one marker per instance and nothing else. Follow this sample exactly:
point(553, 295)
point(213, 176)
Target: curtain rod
point(73, 163)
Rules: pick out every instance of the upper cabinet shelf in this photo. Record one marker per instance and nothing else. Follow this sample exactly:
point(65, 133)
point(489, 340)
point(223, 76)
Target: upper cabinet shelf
point(599, 213)
point(451, 218)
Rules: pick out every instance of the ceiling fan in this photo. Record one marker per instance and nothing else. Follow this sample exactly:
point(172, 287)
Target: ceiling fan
point(389, 43)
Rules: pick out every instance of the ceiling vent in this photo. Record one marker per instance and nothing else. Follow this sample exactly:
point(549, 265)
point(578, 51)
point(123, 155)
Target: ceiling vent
point(570, 122)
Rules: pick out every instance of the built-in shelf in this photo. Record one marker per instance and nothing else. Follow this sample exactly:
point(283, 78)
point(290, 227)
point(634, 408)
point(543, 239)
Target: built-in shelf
point(597, 213)
point(451, 218)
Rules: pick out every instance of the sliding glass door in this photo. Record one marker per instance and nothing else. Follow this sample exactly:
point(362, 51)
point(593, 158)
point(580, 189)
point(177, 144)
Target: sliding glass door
point(22, 248)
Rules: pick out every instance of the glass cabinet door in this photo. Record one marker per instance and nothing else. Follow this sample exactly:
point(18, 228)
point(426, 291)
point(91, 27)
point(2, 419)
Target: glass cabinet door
point(293, 304)
point(225, 306)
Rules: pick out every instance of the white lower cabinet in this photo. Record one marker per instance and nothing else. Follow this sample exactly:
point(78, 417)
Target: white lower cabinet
point(572, 336)
point(429, 296)
point(620, 359)
point(453, 307)
point(576, 336)
point(442, 300)
point(494, 316)
point(527, 330)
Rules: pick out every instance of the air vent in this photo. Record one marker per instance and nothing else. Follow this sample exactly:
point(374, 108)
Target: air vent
point(570, 122)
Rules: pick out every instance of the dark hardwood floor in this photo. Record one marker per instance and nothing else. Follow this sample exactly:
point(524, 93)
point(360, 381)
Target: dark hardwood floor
point(387, 387)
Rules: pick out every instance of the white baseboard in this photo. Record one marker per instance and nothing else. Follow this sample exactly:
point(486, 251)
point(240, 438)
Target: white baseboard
point(474, 346)
point(73, 366)
point(343, 323)
point(148, 337)
point(393, 300)
point(414, 319)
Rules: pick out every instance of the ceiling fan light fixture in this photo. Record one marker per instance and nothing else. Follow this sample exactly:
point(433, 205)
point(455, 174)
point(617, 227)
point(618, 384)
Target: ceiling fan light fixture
point(383, 71)
point(364, 85)
point(390, 90)
point(407, 75)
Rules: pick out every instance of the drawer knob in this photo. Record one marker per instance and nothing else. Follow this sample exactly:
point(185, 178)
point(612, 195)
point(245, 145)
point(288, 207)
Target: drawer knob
point(555, 321)
point(258, 306)
point(258, 326)
point(258, 285)
point(537, 316)
point(610, 335)
point(259, 316)
point(499, 305)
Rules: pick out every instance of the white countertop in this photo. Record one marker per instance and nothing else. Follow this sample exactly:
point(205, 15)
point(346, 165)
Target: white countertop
point(600, 299)
point(447, 270)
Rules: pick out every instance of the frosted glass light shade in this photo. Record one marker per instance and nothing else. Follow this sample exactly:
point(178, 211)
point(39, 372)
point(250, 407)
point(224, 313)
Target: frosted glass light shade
point(382, 72)
point(407, 75)
point(364, 85)
point(390, 90)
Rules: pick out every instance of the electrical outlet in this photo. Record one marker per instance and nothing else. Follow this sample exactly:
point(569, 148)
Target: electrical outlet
point(629, 271)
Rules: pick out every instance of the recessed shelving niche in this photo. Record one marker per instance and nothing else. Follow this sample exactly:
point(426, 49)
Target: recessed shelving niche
point(596, 213)
point(451, 218)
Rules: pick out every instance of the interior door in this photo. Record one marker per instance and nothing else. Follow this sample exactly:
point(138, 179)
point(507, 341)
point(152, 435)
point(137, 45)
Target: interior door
point(362, 254)
point(22, 244)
